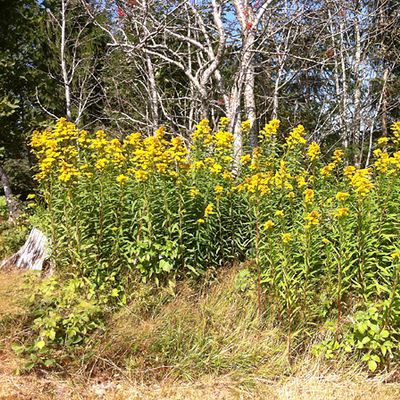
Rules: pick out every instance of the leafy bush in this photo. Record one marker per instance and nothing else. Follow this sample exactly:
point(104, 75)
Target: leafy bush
point(63, 314)
point(12, 237)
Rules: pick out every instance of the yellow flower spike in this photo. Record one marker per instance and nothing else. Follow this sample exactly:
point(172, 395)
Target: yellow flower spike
point(223, 123)
point(342, 196)
point(122, 179)
point(209, 210)
point(325, 241)
point(201, 221)
point(227, 175)
point(219, 189)
point(337, 156)
point(327, 169)
point(101, 163)
point(216, 168)
point(245, 127)
point(194, 192)
point(270, 129)
point(291, 195)
point(160, 132)
point(313, 151)
point(395, 255)
point(198, 165)
point(31, 196)
point(245, 159)
point(342, 212)
point(162, 168)
point(313, 218)
point(383, 141)
point(202, 130)
point(383, 161)
point(279, 213)
point(223, 141)
point(296, 137)
point(396, 132)
point(141, 176)
point(282, 176)
point(286, 237)
point(361, 183)
point(349, 171)
point(268, 225)
point(308, 196)
point(301, 181)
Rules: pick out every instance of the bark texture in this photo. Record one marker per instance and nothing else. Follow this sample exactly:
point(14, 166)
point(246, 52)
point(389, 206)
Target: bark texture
point(12, 203)
point(31, 256)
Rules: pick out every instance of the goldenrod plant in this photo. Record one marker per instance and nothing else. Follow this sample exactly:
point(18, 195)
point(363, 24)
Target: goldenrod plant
point(322, 235)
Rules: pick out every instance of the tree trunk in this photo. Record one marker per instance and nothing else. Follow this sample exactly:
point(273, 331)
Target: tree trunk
point(32, 255)
point(12, 203)
point(66, 79)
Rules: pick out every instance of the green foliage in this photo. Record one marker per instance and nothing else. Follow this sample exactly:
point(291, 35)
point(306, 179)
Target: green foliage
point(63, 314)
point(372, 336)
point(12, 237)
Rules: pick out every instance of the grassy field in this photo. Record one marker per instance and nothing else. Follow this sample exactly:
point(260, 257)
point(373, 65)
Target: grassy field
point(175, 363)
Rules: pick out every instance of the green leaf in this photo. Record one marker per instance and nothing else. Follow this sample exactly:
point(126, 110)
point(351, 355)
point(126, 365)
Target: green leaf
point(165, 266)
point(372, 365)
point(49, 363)
point(40, 344)
point(385, 333)
point(17, 348)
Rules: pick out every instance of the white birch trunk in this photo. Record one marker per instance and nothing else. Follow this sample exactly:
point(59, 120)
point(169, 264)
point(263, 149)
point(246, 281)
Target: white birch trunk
point(66, 81)
point(12, 204)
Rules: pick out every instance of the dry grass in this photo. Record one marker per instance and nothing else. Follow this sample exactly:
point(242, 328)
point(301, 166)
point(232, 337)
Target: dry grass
point(329, 387)
point(198, 344)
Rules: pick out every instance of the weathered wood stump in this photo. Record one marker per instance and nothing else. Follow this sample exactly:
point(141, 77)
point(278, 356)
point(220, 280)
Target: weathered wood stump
point(32, 255)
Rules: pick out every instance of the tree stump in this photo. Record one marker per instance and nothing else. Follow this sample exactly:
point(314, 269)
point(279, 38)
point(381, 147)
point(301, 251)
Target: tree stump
point(32, 255)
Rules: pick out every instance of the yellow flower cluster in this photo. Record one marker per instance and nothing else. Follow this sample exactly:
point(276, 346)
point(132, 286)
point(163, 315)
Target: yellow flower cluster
point(122, 179)
point(156, 154)
point(383, 141)
point(270, 129)
point(258, 183)
point(245, 127)
point(342, 212)
point(296, 137)
point(69, 153)
point(342, 196)
point(209, 210)
point(57, 150)
point(202, 133)
point(268, 225)
point(336, 159)
point(313, 151)
point(282, 177)
point(396, 132)
point(386, 164)
point(361, 182)
point(222, 140)
point(308, 196)
point(313, 218)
